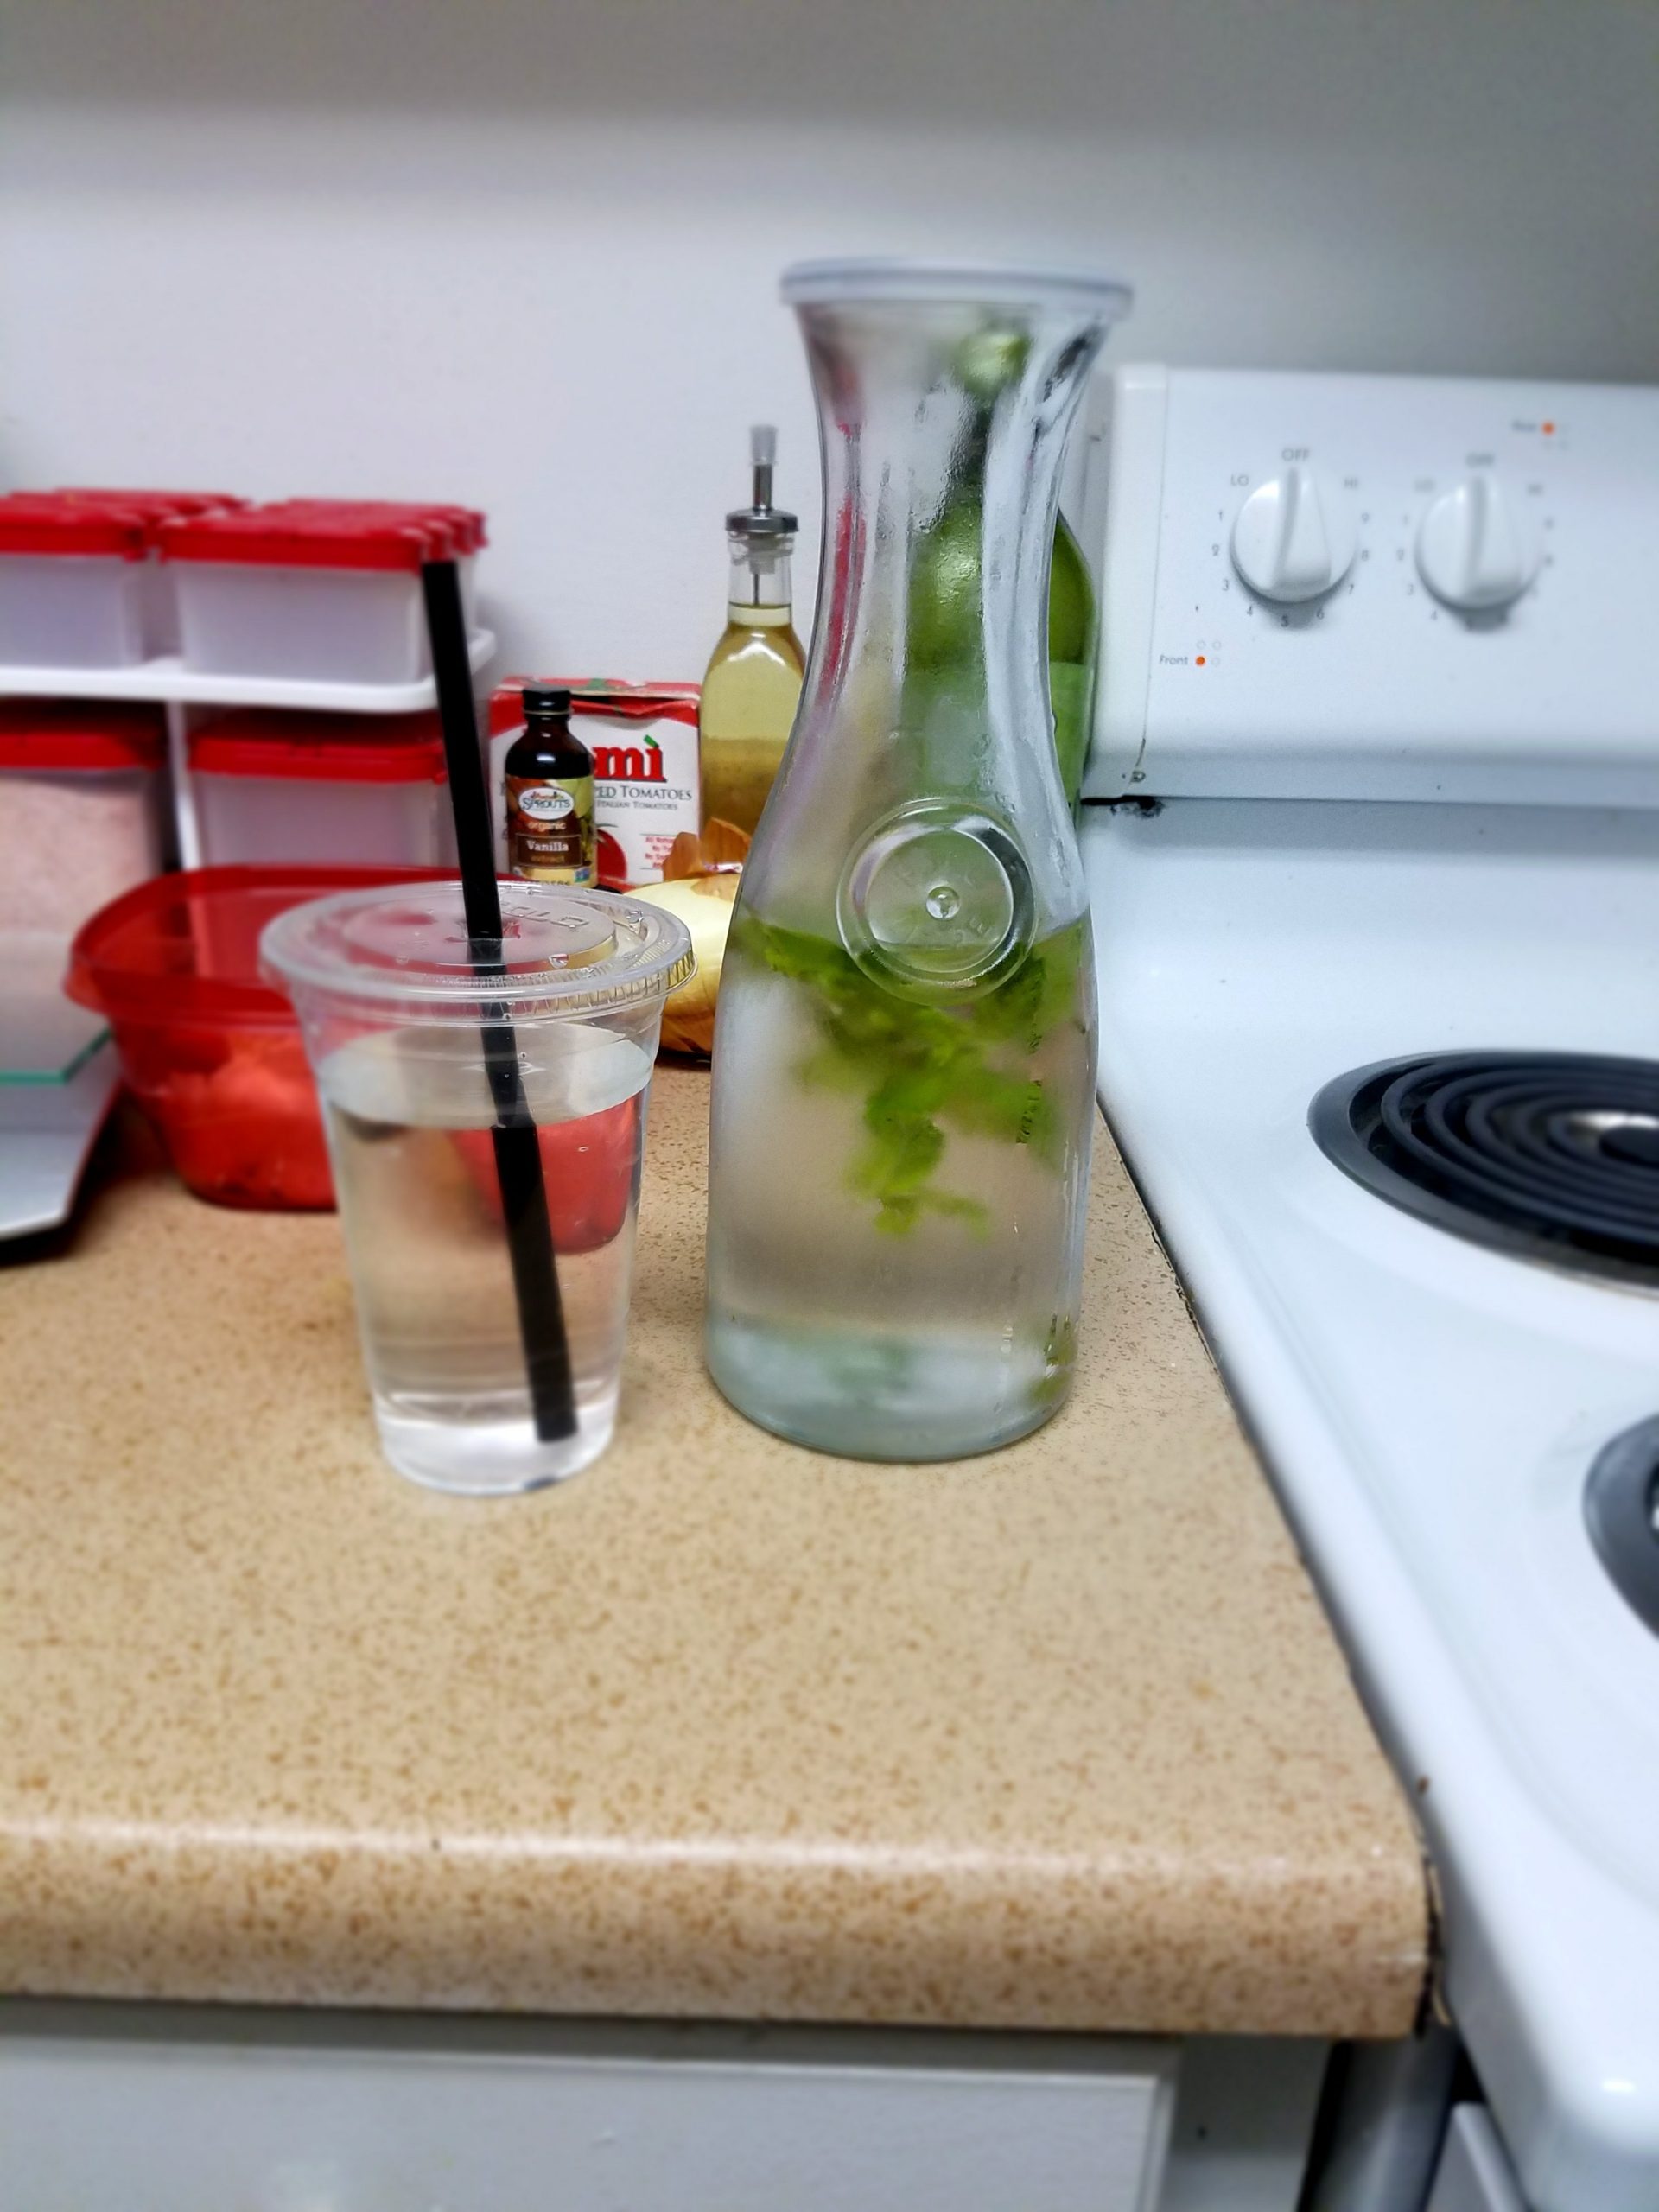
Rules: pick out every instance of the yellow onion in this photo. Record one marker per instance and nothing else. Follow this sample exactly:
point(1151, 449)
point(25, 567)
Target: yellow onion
point(703, 903)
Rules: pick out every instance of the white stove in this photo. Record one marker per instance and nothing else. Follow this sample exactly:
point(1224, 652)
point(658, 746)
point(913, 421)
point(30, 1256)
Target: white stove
point(1379, 719)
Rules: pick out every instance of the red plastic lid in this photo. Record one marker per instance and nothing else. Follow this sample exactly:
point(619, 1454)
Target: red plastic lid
point(55, 523)
point(57, 734)
point(152, 508)
point(464, 524)
point(149, 502)
point(596, 695)
point(186, 948)
point(325, 534)
point(322, 748)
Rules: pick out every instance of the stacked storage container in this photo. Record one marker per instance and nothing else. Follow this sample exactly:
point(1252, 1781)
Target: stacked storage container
point(81, 810)
point(321, 591)
point(367, 790)
point(81, 582)
point(189, 601)
point(328, 588)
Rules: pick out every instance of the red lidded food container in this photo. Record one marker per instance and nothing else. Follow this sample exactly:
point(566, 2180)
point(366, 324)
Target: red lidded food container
point(80, 586)
point(153, 508)
point(329, 589)
point(80, 807)
point(73, 583)
point(365, 790)
point(212, 1053)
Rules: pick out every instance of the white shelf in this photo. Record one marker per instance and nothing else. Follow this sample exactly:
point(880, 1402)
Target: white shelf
point(168, 681)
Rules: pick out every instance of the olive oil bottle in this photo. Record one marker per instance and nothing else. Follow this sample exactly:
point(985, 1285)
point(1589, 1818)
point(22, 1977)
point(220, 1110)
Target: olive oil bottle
point(754, 678)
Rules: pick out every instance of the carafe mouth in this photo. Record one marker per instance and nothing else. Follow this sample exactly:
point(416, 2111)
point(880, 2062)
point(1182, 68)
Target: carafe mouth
point(825, 283)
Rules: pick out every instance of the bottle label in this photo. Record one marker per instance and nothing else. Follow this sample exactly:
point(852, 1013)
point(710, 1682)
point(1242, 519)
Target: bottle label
point(550, 829)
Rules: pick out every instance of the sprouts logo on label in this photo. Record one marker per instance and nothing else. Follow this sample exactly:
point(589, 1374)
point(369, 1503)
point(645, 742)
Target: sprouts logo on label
point(545, 802)
point(630, 764)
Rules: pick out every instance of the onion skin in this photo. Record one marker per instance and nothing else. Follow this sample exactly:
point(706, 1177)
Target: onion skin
point(703, 903)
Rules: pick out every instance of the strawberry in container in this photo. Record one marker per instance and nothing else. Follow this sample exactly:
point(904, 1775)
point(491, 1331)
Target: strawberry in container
point(644, 740)
point(586, 1170)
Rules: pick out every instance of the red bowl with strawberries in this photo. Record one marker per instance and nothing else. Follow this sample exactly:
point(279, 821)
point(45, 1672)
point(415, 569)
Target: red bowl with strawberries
point(212, 1053)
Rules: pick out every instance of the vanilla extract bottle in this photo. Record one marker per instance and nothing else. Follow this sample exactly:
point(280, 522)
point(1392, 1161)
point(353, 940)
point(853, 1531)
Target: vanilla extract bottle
point(548, 773)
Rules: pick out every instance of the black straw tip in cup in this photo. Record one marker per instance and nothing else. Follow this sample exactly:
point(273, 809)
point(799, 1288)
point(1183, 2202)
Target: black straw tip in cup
point(518, 1147)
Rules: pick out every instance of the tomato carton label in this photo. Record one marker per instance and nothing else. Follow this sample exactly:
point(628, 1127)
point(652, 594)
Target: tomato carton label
point(644, 740)
point(645, 792)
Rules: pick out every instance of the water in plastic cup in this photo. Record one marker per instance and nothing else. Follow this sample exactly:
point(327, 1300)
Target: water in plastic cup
point(394, 1016)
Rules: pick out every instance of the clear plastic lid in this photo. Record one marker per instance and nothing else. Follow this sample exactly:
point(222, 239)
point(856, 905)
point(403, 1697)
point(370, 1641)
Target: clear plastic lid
point(403, 950)
point(825, 283)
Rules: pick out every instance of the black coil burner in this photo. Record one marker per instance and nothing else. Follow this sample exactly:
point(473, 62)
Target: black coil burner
point(1555, 1156)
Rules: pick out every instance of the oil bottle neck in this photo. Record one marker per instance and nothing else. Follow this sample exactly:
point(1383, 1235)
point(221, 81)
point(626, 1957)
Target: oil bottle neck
point(758, 592)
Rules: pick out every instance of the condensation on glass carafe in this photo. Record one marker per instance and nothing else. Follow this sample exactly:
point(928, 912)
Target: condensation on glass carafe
point(904, 1062)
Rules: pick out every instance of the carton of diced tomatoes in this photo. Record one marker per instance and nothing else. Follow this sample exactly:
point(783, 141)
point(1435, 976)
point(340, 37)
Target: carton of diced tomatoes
point(644, 740)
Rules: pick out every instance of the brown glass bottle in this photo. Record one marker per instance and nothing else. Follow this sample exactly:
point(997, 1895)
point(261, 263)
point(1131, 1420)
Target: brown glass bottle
point(549, 775)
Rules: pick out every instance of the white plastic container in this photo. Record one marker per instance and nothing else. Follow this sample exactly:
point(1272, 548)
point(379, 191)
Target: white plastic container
point(327, 590)
point(365, 790)
point(152, 508)
point(74, 585)
point(82, 584)
point(81, 808)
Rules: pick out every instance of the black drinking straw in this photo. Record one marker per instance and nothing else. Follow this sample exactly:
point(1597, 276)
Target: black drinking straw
point(517, 1150)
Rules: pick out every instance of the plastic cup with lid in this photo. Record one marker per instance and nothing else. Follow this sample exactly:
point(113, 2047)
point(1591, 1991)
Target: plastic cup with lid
point(404, 1018)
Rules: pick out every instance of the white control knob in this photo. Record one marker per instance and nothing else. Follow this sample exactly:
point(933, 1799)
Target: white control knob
point(1293, 537)
point(1474, 550)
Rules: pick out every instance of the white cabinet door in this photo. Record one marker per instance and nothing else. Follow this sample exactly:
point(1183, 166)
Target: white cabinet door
point(1244, 2113)
point(529, 2119)
point(1474, 2174)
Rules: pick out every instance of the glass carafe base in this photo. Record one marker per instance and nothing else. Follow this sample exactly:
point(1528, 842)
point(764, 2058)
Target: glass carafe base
point(896, 1395)
point(893, 1265)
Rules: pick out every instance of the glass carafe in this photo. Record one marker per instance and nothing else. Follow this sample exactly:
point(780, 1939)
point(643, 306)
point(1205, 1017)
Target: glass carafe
point(904, 1056)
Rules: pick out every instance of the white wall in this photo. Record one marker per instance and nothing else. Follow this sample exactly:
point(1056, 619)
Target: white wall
point(524, 252)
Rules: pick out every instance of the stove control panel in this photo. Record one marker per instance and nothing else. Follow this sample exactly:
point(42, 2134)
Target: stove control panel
point(1377, 587)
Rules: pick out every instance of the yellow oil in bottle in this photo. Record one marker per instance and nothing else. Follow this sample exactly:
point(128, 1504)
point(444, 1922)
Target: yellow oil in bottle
point(754, 678)
point(749, 696)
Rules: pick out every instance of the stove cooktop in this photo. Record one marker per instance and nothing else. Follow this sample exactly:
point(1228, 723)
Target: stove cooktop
point(1431, 1406)
point(1372, 810)
point(1553, 1156)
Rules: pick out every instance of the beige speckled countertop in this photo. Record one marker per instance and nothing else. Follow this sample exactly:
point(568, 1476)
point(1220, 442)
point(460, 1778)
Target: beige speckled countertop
point(1057, 1738)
